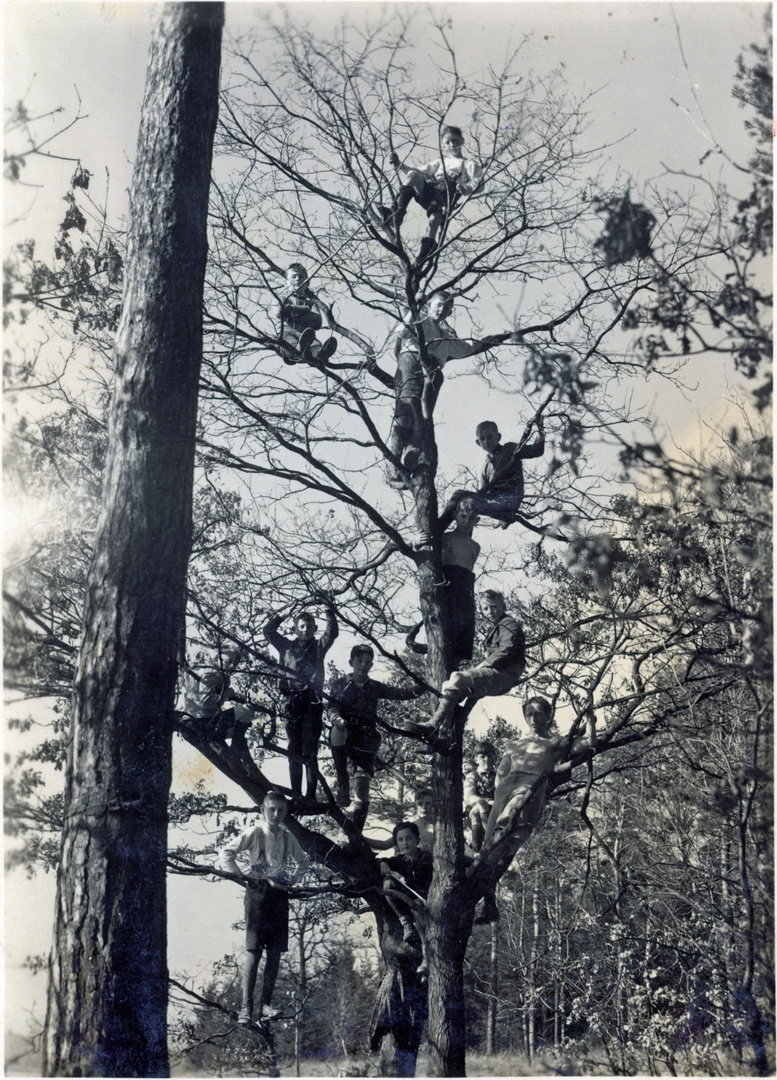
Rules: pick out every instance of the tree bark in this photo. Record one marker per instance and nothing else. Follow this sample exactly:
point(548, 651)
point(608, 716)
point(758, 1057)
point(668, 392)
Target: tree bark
point(107, 997)
point(493, 990)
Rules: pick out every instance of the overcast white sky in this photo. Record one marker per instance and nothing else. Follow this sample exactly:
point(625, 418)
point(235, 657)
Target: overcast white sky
point(56, 53)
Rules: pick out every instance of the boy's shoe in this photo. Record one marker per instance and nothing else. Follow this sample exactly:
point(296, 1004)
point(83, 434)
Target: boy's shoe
point(306, 339)
point(270, 1013)
point(397, 482)
point(342, 796)
point(244, 1016)
point(329, 348)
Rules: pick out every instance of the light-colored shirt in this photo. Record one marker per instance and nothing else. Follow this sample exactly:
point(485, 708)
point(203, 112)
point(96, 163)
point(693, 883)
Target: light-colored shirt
point(533, 755)
point(466, 172)
point(274, 858)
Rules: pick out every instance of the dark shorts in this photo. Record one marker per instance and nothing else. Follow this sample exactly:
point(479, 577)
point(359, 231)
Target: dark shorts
point(458, 604)
point(304, 719)
point(362, 746)
point(435, 198)
point(267, 917)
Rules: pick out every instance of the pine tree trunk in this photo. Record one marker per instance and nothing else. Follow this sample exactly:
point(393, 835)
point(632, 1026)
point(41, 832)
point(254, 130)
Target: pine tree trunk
point(107, 998)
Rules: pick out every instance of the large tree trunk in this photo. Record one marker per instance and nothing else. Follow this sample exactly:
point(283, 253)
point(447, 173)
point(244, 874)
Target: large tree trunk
point(108, 970)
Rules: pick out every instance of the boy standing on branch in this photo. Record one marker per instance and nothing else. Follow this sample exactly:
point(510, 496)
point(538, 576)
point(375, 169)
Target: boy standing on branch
point(275, 859)
point(353, 713)
point(301, 687)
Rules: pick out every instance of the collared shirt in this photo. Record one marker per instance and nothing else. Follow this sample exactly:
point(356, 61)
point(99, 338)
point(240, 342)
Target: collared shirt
point(504, 466)
point(304, 658)
point(359, 704)
point(274, 858)
point(442, 343)
point(465, 171)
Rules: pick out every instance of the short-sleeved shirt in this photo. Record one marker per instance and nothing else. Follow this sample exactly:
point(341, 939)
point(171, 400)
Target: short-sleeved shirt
point(465, 171)
point(271, 858)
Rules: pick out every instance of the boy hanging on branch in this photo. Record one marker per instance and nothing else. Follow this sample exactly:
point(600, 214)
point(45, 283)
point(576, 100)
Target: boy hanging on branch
point(299, 314)
point(501, 490)
point(436, 186)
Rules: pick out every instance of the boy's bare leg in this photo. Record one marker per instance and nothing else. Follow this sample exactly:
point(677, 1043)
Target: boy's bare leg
point(271, 965)
point(250, 968)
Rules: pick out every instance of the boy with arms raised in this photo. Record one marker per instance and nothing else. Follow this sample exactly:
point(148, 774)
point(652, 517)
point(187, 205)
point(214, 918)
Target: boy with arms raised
point(301, 689)
point(501, 490)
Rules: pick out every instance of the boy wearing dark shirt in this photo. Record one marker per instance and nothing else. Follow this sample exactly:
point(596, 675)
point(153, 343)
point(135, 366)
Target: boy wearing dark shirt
point(301, 690)
point(501, 488)
point(497, 673)
point(299, 313)
point(406, 880)
point(353, 713)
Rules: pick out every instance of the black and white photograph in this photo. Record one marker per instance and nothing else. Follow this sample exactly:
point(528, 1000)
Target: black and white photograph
point(387, 539)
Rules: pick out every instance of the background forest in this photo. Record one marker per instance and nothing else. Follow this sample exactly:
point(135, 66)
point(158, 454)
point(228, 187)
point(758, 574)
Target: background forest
point(636, 929)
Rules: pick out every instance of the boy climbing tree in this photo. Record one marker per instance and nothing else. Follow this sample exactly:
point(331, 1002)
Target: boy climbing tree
point(304, 445)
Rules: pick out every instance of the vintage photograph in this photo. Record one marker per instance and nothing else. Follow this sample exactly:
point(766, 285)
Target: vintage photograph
point(387, 547)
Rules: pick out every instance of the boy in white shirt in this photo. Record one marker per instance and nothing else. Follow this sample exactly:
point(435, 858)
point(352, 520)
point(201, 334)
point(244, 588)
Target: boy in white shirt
point(275, 858)
point(436, 186)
